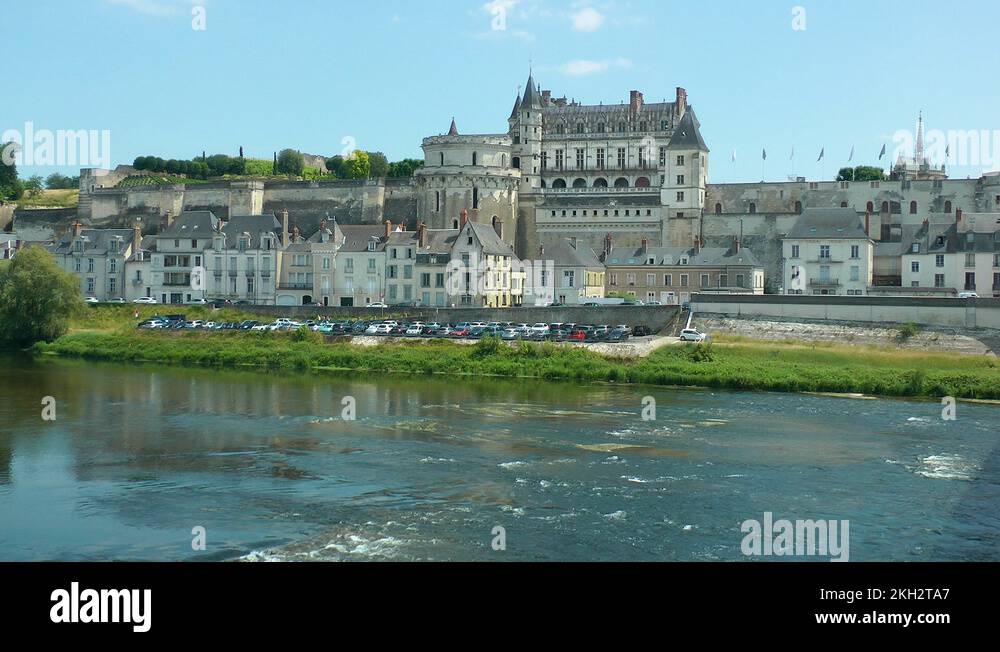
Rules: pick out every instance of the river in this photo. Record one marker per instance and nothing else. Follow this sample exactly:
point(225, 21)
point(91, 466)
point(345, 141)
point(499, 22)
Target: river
point(139, 457)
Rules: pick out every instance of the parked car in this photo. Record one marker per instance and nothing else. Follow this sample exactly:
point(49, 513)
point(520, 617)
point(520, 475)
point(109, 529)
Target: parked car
point(968, 295)
point(460, 331)
point(510, 334)
point(618, 334)
point(577, 336)
point(691, 335)
point(197, 302)
point(90, 300)
point(377, 304)
point(540, 329)
point(145, 300)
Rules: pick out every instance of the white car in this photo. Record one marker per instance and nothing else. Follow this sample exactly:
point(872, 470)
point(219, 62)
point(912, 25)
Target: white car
point(91, 300)
point(197, 323)
point(383, 329)
point(968, 295)
point(145, 300)
point(414, 331)
point(378, 304)
point(261, 327)
point(691, 335)
point(540, 329)
point(198, 302)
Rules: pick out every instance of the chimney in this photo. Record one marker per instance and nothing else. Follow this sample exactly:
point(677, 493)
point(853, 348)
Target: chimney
point(682, 100)
point(737, 245)
point(868, 223)
point(388, 228)
point(635, 101)
point(609, 245)
point(284, 227)
point(422, 235)
point(77, 229)
point(697, 245)
point(170, 218)
point(295, 234)
point(645, 245)
point(464, 219)
point(137, 235)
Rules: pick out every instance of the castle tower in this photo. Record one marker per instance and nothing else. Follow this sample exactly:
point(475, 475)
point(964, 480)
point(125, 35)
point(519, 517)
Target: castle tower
point(685, 180)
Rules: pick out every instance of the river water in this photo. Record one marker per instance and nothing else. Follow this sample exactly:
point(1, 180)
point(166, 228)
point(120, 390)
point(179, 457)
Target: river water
point(138, 457)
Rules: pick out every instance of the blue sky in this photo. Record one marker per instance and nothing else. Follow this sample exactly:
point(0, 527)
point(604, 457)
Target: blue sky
point(308, 73)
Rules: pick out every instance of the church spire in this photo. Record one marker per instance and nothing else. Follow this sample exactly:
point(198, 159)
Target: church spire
point(920, 140)
point(454, 128)
point(532, 98)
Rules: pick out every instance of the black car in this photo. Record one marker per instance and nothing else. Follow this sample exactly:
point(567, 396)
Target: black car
point(618, 335)
point(642, 331)
point(478, 332)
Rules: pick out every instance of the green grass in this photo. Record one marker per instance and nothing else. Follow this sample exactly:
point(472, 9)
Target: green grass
point(67, 198)
point(764, 367)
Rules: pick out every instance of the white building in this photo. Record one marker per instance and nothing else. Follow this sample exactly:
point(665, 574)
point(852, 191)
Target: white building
point(828, 252)
point(960, 256)
point(98, 258)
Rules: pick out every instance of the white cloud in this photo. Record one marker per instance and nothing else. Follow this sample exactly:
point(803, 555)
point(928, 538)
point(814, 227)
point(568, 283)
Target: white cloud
point(583, 67)
point(587, 19)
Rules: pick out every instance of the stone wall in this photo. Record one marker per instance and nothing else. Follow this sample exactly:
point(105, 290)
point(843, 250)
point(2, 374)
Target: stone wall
point(953, 313)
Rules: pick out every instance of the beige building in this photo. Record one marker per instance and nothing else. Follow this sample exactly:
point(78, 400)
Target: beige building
point(671, 275)
point(577, 275)
point(98, 258)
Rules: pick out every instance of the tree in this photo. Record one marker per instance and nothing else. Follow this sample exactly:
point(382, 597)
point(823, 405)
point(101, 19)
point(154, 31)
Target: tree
point(379, 165)
point(405, 168)
point(56, 181)
point(290, 162)
point(357, 166)
point(37, 298)
point(10, 185)
point(334, 165)
point(861, 173)
point(34, 186)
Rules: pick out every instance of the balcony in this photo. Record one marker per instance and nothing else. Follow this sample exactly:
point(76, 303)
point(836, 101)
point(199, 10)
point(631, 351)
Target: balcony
point(295, 286)
point(824, 282)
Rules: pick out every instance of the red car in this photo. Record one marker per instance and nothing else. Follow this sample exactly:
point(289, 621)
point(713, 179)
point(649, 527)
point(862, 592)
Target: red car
point(578, 336)
point(459, 332)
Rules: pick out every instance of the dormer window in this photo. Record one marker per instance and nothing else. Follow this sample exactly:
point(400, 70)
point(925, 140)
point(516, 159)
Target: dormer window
point(916, 248)
point(78, 246)
point(372, 245)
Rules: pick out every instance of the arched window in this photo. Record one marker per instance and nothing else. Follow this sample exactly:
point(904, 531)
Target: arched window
point(885, 207)
point(642, 182)
point(753, 207)
point(580, 183)
point(947, 207)
point(621, 182)
point(798, 208)
point(870, 207)
point(517, 162)
point(718, 208)
point(913, 208)
point(559, 183)
point(600, 183)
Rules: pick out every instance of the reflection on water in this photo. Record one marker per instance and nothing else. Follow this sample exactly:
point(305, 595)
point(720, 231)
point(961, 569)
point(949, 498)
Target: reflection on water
point(138, 456)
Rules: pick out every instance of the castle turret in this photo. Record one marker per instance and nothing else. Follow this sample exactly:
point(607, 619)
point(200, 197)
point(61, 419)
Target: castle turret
point(685, 181)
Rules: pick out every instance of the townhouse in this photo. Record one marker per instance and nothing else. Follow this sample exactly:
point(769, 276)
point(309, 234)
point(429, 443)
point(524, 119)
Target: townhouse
point(960, 257)
point(98, 258)
point(359, 272)
point(577, 274)
point(829, 251)
point(179, 257)
point(242, 263)
point(671, 275)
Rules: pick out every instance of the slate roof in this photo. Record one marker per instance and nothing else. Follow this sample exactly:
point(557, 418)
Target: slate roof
point(492, 244)
point(97, 241)
point(532, 99)
point(828, 224)
point(357, 237)
point(707, 257)
point(687, 134)
point(564, 254)
point(196, 224)
point(255, 225)
point(439, 241)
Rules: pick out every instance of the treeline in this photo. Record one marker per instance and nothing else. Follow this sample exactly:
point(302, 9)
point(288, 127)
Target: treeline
point(359, 165)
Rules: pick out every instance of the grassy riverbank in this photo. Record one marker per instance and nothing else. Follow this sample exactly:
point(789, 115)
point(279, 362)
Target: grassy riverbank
point(748, 366)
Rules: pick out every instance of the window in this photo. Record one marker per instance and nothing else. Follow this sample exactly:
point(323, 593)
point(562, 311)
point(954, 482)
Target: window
point(939, 280)
point(112, 285)
point(913, 208)
point(600, 158)
point(680, 160)
point(705, 280)
point(680, 196)
point(680, 179)
point(559, 159)
point(650, 280)
point(824, 251)
point(621, 158)
point(684, 280)
point(90, 286)
point(855, 251)
point(915, 267)
point(668, 280)
point(947, 207)
point(475, 198)
point(970, 260)
point(113, 265)
point(753, 208)
point(90, 265)
point(718, 209)
point(569, 278)
point(663, 156)
point(545, 160)
point(579, 159)
point(939, 260)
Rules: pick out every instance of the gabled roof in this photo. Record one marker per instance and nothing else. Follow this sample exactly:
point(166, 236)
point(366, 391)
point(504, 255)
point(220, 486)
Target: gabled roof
point(197, 224)
point(828, 224)
point(357, 237)
point(687, 134)
point(492, 244)
point(564, 254)
point(439, 241)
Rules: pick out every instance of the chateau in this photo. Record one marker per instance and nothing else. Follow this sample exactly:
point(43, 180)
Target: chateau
point(612, 177)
